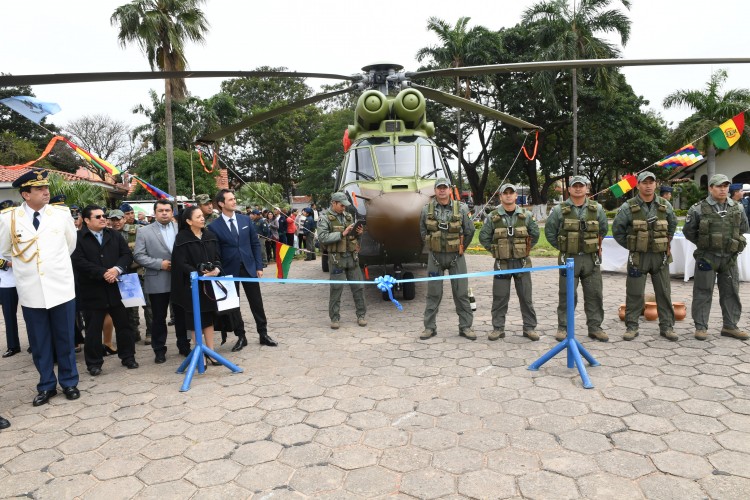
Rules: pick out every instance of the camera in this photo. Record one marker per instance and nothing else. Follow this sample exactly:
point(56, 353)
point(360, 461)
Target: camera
point(206, 267)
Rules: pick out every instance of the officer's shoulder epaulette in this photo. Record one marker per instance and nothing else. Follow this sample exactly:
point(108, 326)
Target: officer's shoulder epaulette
point(60, 207)
point(9, 209)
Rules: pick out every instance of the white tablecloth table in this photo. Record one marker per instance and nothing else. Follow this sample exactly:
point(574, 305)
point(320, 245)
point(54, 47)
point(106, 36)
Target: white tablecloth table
point(615, 258)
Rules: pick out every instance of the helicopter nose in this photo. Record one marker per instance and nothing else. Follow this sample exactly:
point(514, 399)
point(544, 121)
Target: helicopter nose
point(393, 220)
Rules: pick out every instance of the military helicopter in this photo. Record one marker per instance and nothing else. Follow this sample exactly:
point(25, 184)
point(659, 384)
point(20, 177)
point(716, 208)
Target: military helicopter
point(391, 163)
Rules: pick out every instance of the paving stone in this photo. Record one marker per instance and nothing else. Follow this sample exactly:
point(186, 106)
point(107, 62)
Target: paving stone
point(523, 407)
point(287, 416)
point(326, 418)
point(55, 424)
point(305, 455)
point(257, 452)
point(387, 437)
point(244, 416)
point(601, 424)
point(567, 408)
point(163, 470)
point(428, 483)
point(669, 487)
point(368, 420)
point(736, 422)
point(568, 463)
point(543, 484)
point(213, 473)
point(437, 407)
point(165, 448)
point(512, 461)
point(719, 486)
point(405, 459)
point(337, 436)
point(585, 442)
point(730, 462)
point(65, 487)
point(371, 481)
point(173, 489)
point(163, 430)
point(625, 464)
point(80, 463)
point(312, 480)
point(316, 404)
point(709, 393)
point(458, 460)
point(688, 442)
point(706, 408)
point(32, 461)
point(483, 440)
point(698, 424)
point(682, 464)
point(44, 441)
point(213, 449)
point(638, 442)
point(649, 424)
point(264, 477)
point(434, 439)
point(128, 445)
point(604, 485)
point(487, 484)
point(657, 408)
point(459, 422)
point(294, 435)
point(613, 408)
point(249, 433)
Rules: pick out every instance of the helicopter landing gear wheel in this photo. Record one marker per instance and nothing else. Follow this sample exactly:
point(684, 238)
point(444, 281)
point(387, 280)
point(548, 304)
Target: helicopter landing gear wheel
point(324, 262)
point(410, 289)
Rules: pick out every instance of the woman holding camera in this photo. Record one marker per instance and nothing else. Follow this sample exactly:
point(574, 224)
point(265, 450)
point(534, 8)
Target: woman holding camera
point(195, 250)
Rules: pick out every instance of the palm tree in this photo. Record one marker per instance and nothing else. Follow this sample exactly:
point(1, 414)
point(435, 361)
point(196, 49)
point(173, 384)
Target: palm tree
point(160, 28)
point(564, 33)
point(711, 108)
point(459, 47)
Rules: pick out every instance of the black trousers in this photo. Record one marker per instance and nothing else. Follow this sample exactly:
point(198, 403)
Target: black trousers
point(180, 314)
point(255, 299)
point(159, 309)
point(9, 299)
point(92, 348)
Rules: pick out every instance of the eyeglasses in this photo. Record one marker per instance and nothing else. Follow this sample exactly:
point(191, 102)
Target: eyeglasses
point(100, 216)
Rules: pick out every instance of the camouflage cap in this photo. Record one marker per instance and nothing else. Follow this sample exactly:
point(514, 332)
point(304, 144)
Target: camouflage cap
point(115, 214)
point(203, 199)
point(508, 185)
point(579, 179)
point(341, 198)
point(718, 179)
point(442, 181)
point(646, 175)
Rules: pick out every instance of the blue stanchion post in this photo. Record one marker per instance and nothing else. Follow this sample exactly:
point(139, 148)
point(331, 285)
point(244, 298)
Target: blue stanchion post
point(195, 358)
point(574, 347)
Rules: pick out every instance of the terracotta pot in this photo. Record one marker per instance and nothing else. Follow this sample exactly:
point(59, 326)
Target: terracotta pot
point(680, 310)
point(650, 313)
point(621, 312)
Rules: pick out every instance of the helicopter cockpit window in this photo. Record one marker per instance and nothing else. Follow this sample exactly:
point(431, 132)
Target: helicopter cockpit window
point(396, 161)
point(430, 162)
point(360, 166)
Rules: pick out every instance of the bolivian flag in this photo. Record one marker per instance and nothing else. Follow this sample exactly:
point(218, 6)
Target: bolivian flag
point(627, 183)
point(725, 135)
point(284, 258)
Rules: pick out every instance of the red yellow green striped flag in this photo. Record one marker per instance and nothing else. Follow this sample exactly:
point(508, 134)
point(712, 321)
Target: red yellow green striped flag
point(725, 135)
point(627, 183)
point(284, 258)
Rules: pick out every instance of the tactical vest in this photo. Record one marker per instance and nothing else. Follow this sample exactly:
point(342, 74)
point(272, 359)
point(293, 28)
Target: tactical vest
point(346, 243)
point(720, 234)
point(648, 235)
point(510, 242)
point(444, 236)
point(579, 236)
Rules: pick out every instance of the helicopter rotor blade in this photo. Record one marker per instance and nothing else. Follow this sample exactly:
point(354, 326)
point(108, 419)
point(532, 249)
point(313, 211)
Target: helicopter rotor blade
point(473, 107)
point(49, 79)
point(570, 64)
point(261, 117)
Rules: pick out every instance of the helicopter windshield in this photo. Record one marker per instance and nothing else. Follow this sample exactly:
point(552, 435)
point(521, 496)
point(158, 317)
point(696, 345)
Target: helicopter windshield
point(396, 161)
point(430, 162)
point(359, 166)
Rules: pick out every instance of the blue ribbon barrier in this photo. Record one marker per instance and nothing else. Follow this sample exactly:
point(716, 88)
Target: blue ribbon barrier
point(574, 347)
point(385, 284)
point(195, 358)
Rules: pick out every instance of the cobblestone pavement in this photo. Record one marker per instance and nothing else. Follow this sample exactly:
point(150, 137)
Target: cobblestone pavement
point(374, 412)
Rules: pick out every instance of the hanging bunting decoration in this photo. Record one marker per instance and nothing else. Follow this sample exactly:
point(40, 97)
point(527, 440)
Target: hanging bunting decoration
point(93, 159)
point(536, 146)
point(725, 135)
point(213, 163)
point(627, 183)
point(683, 157)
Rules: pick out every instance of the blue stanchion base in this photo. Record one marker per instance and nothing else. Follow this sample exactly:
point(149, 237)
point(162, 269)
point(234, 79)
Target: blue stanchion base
point(575, 350)
point(195, 360)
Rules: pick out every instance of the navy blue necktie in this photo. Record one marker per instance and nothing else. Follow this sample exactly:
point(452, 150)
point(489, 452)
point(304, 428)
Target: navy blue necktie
point(36, 220)
point(233, 229)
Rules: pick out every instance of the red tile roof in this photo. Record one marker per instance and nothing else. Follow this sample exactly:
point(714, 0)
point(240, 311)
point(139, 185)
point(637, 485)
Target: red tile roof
point(8, 175)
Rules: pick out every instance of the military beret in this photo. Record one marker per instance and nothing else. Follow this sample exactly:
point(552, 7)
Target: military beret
point(341, 198)
point(203, 199)
point(34, 177)
point(125, 207)
point(718, 179)
point(646, 175)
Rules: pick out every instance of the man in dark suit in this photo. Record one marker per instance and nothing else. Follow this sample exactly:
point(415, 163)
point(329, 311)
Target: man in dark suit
point(241, 257)
point(100, 257)
point(153, 251)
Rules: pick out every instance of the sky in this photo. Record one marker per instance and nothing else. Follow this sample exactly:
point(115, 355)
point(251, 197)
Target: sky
point(338, 37)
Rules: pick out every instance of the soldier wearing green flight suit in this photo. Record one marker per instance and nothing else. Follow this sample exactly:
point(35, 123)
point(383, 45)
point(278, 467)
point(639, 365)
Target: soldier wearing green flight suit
point(716, 225)
point(509, 233)
point(576, 228)
point(337, 235)
point(645, 225)
point(446, 228)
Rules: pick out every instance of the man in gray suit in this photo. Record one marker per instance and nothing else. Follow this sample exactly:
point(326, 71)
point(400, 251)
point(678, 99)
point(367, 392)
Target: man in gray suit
point(153, 250)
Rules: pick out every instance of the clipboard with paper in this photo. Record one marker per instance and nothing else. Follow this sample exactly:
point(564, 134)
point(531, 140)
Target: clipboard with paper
point(131, 292)
point(226, 295)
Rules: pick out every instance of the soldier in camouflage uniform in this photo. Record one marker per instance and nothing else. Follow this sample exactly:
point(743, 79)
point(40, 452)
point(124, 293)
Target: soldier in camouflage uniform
point(509, 233)
point(129, 230)
point(716, 225)
point(576, 228)
point(446, 228)
point(645, 225)
point(204, 202)
point(261, 227)
point(336, 233)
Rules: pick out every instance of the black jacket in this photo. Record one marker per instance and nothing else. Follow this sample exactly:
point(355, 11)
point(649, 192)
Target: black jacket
point(189, 252)
point(91, 261)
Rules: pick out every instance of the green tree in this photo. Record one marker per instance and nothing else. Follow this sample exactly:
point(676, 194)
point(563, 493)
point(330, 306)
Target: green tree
point(711, 107)
point(161, 28)
point(564, 33)
point(151, 169)
point(78, 193)
point(260, 193)
point(323, 155)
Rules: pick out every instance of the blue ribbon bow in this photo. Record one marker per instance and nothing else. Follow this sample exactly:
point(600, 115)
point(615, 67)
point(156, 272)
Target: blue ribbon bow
point(385, 284)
